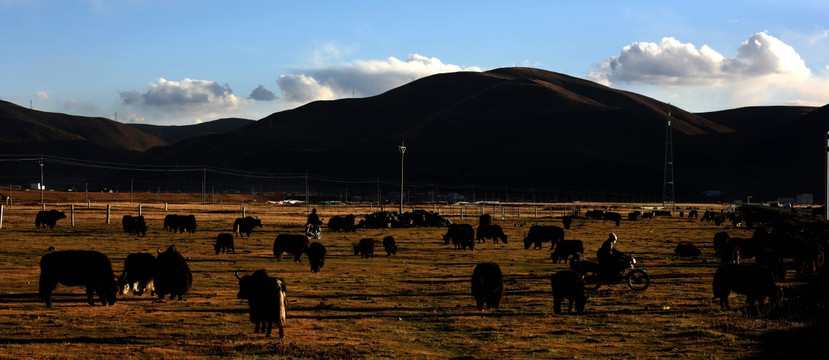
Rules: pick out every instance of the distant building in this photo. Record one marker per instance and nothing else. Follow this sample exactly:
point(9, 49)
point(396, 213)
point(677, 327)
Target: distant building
point(804, 199)
point(37, 186)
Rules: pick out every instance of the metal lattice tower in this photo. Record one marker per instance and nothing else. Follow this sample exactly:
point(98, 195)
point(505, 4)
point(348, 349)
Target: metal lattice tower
point(668, 174)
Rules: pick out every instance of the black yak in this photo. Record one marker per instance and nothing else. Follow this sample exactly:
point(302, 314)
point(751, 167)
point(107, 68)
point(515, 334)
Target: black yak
point(266, 300)
point(48, 218)
point(78, 268)
point(488, 285)
point(172, 275)
point(138, 274)
point(246, 225)
point(295, 244)
point(568, 284)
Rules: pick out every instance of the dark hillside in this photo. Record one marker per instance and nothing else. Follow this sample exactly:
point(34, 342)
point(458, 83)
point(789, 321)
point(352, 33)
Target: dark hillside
point(174, 134)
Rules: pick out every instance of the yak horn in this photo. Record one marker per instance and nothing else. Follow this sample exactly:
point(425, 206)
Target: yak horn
point(158, 250)
point(237, 274)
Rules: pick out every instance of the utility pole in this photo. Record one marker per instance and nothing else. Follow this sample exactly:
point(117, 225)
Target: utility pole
point(41, 181)
point(402, 149)
point(668, 174)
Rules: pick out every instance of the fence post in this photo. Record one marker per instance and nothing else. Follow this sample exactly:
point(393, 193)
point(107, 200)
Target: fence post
point(1, 216)
point(519, 212)
point(502, 213)
point(88, 204)
point(461, 212)
point(139, 210)
point(165, 206)
point(243, 211)
point(536, 211)
point(107, 214)
point(72, 214)
point(43, 207)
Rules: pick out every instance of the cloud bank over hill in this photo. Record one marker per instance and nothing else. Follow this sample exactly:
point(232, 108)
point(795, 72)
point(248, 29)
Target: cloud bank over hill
point(360, 78)
point(188, 97)
point(764, 70)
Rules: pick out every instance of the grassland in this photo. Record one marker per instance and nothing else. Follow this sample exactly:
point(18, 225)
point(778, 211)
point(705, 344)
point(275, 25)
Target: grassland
point(416, 304)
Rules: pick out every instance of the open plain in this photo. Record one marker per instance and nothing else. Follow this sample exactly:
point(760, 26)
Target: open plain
point(416, 304)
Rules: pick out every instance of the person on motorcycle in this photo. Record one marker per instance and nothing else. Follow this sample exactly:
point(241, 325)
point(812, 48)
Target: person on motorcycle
point(313, 218)
point(611, 261)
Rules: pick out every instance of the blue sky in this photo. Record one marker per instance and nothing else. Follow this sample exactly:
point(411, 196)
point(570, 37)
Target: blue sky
point(182, 62)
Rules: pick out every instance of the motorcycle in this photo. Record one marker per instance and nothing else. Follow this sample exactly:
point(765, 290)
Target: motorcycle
point(593, 275)
point(313, 231)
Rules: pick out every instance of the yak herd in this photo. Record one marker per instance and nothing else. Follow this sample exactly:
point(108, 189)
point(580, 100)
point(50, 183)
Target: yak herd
point(776, 246)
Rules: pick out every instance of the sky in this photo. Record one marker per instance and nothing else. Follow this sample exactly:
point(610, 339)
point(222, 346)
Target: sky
point(179, 62)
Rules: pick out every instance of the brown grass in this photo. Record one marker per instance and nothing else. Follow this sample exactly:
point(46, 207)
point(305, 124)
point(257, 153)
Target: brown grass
point(416, 304)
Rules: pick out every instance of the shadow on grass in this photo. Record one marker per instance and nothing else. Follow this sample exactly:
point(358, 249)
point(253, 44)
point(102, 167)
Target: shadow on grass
point(78, 340)
point(64, 298)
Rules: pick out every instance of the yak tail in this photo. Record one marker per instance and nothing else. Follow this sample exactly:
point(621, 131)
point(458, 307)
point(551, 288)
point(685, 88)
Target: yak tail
point(283, 302)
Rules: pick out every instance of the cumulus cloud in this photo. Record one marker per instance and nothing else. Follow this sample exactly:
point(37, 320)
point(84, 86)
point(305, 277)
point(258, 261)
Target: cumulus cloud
point(765, 69)
point(183, 94)
point(360, 78)
point(42, 95)
point(261, 94)
point(189, 97)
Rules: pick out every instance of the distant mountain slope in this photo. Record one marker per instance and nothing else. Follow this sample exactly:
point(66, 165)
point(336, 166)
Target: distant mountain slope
point(174, 134)
point(32, 131)
point(517, 126)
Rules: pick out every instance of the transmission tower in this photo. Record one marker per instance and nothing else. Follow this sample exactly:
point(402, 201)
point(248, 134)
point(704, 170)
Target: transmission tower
point(668, 174)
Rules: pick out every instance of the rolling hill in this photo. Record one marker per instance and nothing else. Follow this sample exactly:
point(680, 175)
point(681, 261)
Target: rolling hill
point(174, 134)
point(27, 131)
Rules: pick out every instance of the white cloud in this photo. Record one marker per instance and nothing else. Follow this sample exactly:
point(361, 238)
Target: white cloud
point(360, 78)
point(765, 71)
point(43, 96)
point(188, 97)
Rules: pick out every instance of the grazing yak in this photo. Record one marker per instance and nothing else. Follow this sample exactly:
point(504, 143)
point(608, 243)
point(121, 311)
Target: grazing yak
point(224, 244)
point(493, 232)
point(48, 218)
point(138, 274)
point(686, 249)
point(635, 215)
point(365, 248)
point(78, 268)
point(488, 285)
point(316, 256)
point(266, 301)
point(543, 233)
point(462, 236)
point(389, 245)
point(172, 275)
point(295, 244)
point(180, 223)
point(342, 223)
point(568, 284)
point(246, 225)
point(134, 225)
point(647, 216)
point(566, 221)
point(756, 282)
point(613, 216)
point(567, 249)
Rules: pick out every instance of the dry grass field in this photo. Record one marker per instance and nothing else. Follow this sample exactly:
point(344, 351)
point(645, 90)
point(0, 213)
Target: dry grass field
point(416, 304)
